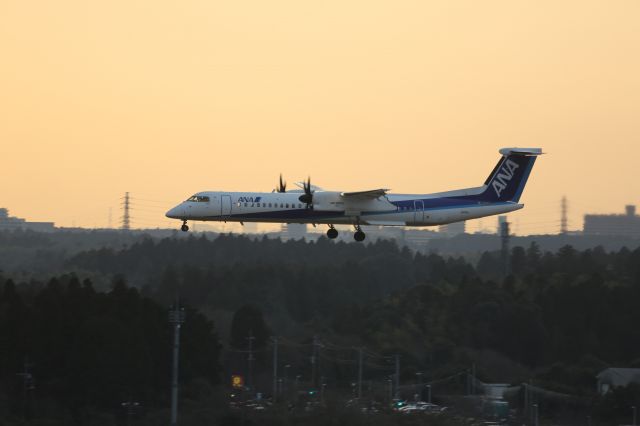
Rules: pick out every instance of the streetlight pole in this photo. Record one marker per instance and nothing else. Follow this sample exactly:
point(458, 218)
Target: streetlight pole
point(359, 375)
point(275, 369)
point(397, 376)
point(419, 393)
point(634, 414)
point(535, 414)
point(429, 394)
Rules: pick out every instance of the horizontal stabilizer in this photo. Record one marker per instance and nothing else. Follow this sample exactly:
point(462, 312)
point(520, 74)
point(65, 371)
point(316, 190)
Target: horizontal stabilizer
point(521, 151)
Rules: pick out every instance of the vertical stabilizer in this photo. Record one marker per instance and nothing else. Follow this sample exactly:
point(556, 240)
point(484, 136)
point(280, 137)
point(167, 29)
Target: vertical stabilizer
point(507, 180)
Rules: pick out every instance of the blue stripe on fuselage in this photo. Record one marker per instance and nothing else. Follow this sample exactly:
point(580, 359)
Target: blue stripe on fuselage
point(429, 204)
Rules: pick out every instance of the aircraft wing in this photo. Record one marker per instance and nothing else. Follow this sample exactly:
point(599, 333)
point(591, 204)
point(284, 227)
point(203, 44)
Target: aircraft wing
point(372, 193)
point(313, 187)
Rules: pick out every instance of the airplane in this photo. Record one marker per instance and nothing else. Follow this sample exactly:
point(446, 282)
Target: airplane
point(499, 194)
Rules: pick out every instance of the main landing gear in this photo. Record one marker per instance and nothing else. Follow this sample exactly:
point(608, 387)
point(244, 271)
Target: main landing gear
point(332, 232)
point(184, 227)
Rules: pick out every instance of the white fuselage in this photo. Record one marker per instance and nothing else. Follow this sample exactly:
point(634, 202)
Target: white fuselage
point(330, 208)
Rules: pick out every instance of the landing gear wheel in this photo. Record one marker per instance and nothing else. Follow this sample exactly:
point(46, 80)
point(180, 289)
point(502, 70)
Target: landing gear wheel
point(184, 227)
point(332, 233)
point(359, 236)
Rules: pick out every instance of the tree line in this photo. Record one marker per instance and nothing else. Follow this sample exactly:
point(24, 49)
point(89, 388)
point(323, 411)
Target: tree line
point(557, 318)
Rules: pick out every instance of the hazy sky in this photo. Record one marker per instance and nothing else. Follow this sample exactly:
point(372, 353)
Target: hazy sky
point(166, 98)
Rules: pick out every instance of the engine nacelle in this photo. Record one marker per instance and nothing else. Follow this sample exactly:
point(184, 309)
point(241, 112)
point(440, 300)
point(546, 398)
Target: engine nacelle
point(328, 201)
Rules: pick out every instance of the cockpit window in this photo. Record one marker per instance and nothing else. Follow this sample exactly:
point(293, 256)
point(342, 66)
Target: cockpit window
point(198, 199)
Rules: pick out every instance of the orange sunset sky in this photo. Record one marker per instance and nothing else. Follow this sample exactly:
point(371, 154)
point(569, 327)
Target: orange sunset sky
point(166, 98)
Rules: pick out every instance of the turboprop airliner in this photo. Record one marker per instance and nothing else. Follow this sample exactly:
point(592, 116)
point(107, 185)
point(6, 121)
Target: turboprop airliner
point(499, 194)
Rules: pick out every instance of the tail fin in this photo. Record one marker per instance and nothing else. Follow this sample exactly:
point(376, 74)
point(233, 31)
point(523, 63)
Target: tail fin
point(507, 180)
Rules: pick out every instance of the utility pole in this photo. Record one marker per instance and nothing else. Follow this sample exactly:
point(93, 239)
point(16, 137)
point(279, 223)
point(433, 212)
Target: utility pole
point(314, 362)
point(28, 386)
point(563, 216)
point(250, 359)
point(473, 379)
point(275, 369)
point(176, 318)
point(322, 385)
point(360, 359)
point(397, 376)
point(504, 237)
point(526, 400)
point(533, 407)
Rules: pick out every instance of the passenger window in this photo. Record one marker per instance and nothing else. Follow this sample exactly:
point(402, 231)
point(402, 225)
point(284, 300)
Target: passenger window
point(287, 205)
point(246, 204)
point(299, 206)
point(281, 205)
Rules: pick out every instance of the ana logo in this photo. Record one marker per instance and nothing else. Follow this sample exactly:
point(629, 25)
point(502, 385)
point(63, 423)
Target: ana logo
point(502, 179)
point(249, 199)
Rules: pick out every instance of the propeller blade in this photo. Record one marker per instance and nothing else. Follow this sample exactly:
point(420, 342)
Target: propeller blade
point(282, 187)
point(307, 197)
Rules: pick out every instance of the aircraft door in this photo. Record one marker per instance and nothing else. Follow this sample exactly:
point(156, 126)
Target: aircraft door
point(225, 205)
point(418, 213)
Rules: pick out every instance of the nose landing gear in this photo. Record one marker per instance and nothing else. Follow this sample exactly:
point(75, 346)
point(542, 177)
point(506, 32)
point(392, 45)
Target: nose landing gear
point(184, 227)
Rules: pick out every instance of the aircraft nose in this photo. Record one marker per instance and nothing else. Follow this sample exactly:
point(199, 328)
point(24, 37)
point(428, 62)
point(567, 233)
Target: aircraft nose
point(175, 213)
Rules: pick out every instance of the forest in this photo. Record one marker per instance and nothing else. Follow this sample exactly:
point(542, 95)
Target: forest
point(84, 340)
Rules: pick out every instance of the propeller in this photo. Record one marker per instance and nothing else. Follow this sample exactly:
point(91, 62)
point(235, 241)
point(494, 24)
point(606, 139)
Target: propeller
point(282, 185)
point(307, 197)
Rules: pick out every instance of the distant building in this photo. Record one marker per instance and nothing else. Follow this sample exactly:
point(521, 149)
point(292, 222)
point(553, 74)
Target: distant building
point(627, 224)
point(614, 377)
point(250, 228)
point(453, 229)
point(9, 223)
point(293, 231)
